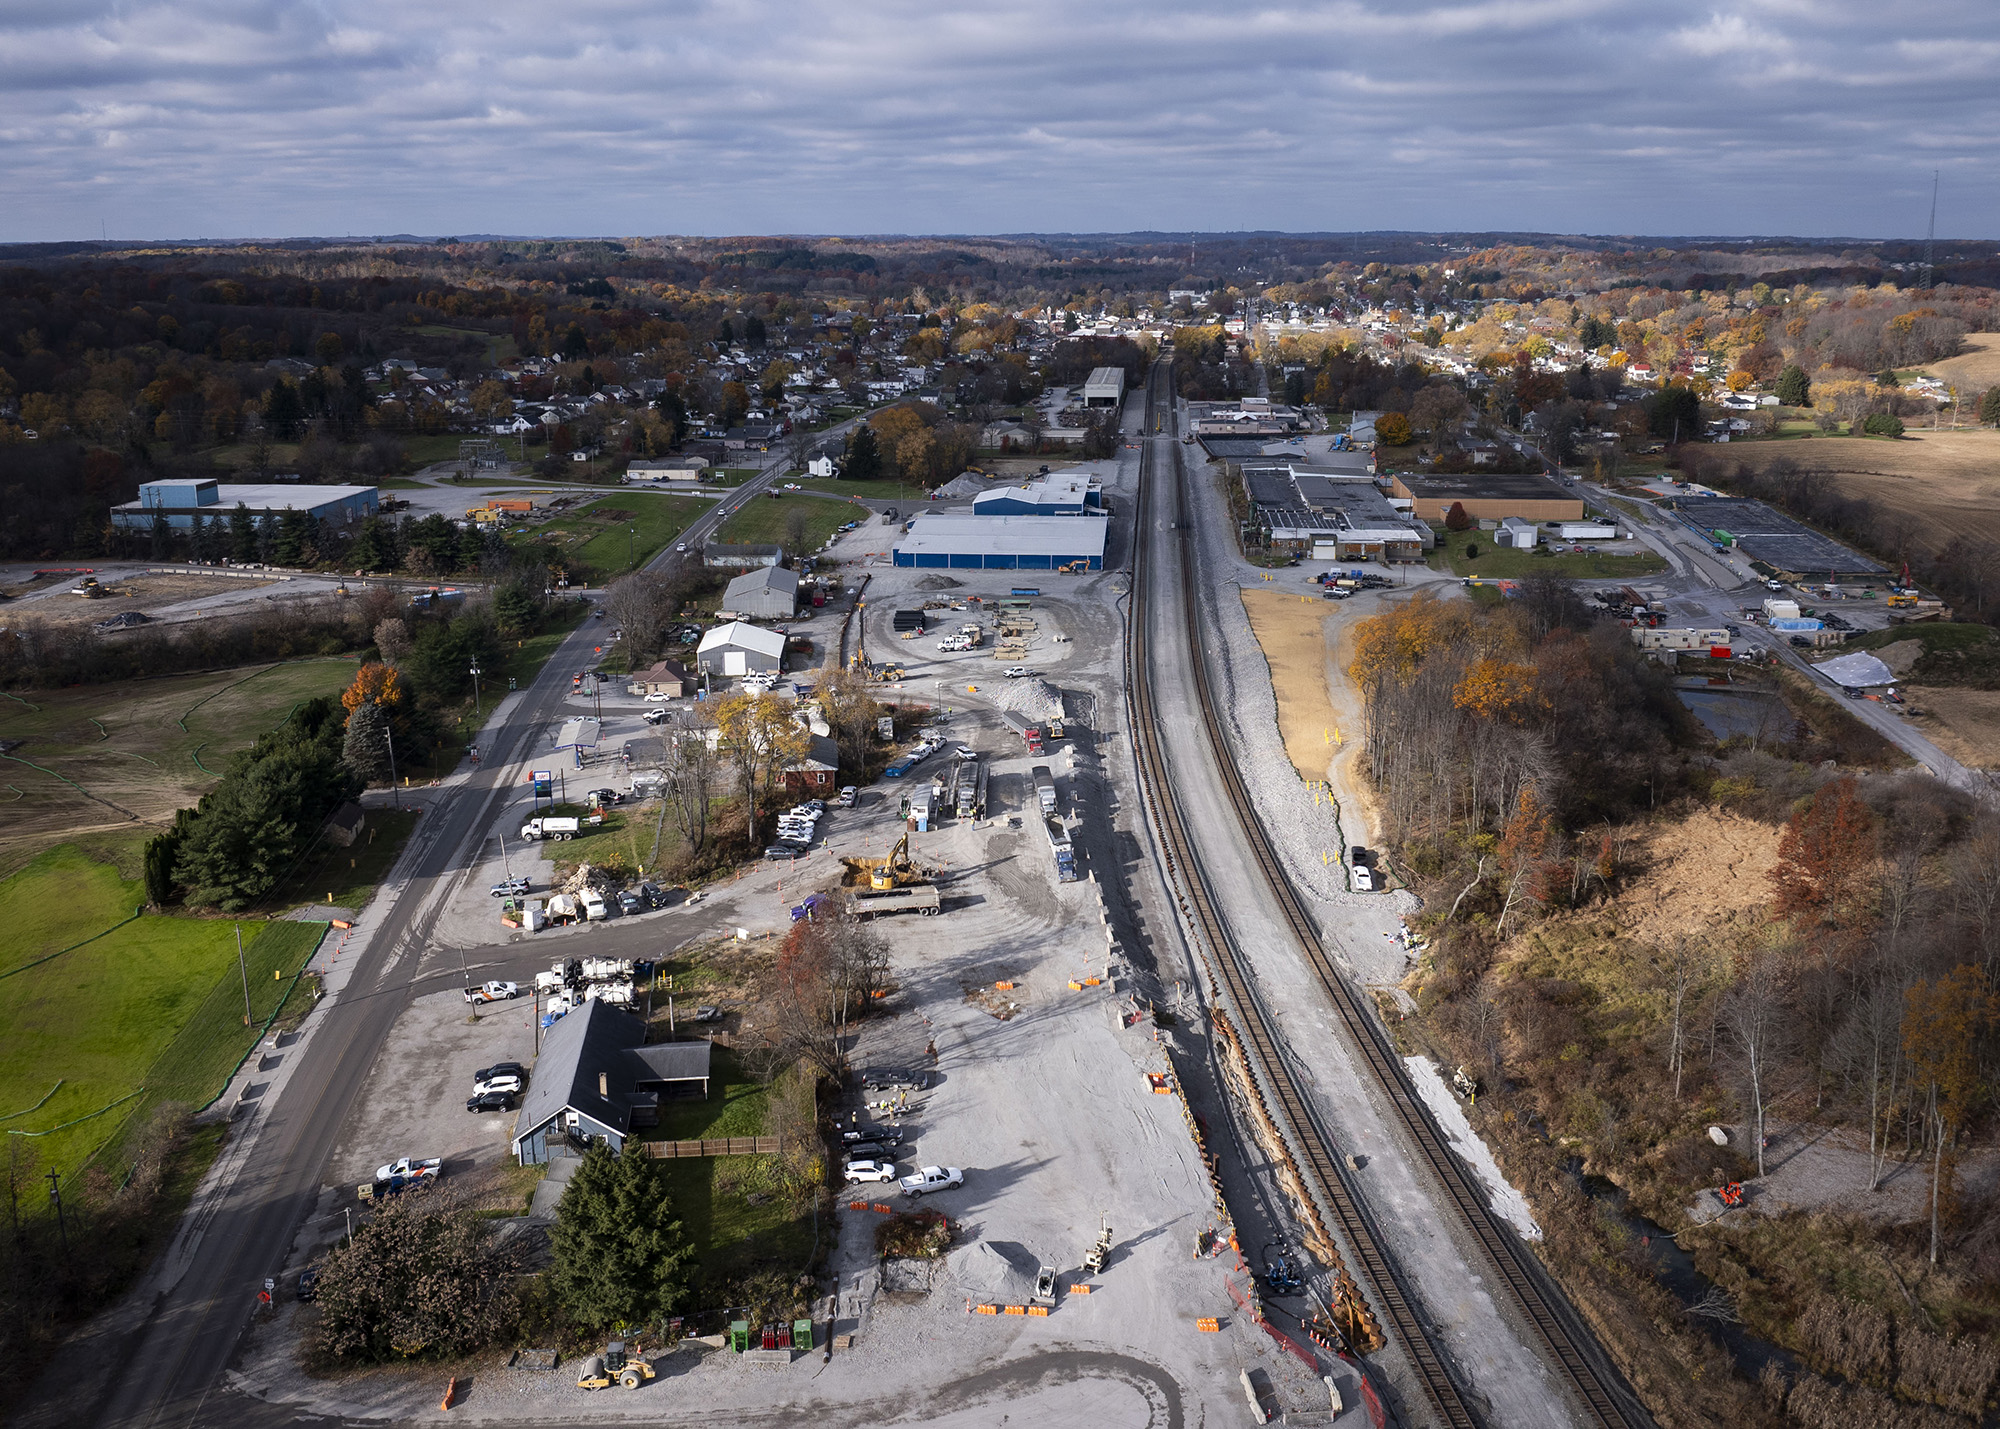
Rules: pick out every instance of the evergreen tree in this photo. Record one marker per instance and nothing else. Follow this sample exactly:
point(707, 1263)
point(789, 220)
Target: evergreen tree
point(753, 331)
point(620, 1257)
point(1989, 407)
point(1793, 388)
point(288, 545)
point(864, 455)
point(242, 534)
point(514, 607)
point(284, 410)
point(365, 750)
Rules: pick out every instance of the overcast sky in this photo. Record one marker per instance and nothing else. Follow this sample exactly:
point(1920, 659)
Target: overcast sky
point(264, 118)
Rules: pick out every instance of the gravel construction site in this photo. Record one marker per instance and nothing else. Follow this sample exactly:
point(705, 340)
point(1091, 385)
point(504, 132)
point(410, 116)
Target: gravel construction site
point(1072, 1105)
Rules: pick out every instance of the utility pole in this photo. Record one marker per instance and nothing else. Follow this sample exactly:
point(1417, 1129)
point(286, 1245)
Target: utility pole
point(243, 968)
point(394, 798)
point(55, 1195)
point(475, 689)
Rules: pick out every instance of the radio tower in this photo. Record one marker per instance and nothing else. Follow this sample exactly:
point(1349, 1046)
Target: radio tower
point(1930, 238)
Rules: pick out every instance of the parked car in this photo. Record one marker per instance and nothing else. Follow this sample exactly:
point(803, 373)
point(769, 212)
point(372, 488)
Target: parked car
point(867, 1151)
point(655, 716)
point(813, 807)
point(882, 1135)
point(783, 852)
point(607, 796)
point(493, 992)
point(1358, 856)
point(858, 1172)
point(932, 1178)
point(708, 1014)
point(630, 902)
point(1364, 878)
point(848, 796)
point(309, 1284)
point(657, 697)
point(1016, 672)
point(500, 1069)
point(510, 888)
point(490, 1101)
point(509, 1084)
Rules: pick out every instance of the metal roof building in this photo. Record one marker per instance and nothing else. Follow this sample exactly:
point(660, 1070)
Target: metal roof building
point(1003, 543)
point(767, 590)
point(1063, 493)
point(182, 503)
point(1105, 387)
point(738, 648)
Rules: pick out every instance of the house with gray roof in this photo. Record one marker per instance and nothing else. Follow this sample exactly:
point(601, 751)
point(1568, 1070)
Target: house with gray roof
point(597, 1080)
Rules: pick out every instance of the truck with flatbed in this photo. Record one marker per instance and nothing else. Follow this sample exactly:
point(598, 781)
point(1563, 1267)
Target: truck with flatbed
point(550, 828)
point(923, 899)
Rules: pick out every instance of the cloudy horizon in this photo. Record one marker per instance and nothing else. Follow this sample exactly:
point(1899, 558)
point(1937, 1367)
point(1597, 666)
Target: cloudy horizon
point(186, 119)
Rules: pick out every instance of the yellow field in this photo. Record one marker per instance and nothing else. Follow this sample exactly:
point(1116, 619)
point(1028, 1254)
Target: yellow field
point(1946, 483)
point(1977, 369)
point(1291, 630)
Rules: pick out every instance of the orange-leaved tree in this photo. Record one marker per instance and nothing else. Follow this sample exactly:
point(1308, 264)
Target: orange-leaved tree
point(1826, 860)
point(1498, 689)
point(1941, 1025)
point(374, 684)
point(1392, 429)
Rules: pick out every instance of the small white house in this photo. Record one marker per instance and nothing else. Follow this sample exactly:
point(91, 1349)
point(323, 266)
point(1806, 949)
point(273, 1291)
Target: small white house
point(739, 648)
point(1520, 535)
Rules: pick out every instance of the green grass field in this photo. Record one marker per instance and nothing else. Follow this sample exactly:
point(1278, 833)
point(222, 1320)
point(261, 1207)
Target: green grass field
point(1505, 562)
point(611, 544)
point(902, 491)
point(767, 522)
point(107, 756)
point(153, 1007)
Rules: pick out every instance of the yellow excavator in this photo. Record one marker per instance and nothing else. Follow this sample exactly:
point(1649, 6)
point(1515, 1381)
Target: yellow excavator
point(896, 870)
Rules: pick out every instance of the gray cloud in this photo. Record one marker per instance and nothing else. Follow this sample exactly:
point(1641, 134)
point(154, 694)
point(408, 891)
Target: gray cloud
point(269, 117)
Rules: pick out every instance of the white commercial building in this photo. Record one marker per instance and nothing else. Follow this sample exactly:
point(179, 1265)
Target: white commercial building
point(740, 649)
point(1105, 387)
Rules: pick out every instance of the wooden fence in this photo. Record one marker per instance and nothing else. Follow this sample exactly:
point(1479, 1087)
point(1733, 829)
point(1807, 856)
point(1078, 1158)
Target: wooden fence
point(719, 1146)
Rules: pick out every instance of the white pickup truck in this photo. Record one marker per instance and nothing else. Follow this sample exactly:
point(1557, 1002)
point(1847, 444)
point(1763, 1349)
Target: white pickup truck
point(410, 1167)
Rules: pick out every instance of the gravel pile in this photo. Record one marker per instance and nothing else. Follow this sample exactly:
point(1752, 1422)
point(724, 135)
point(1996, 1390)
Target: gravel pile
point(1032, 699)
point(962, 487)
point(937, 583)
point(996, 1272)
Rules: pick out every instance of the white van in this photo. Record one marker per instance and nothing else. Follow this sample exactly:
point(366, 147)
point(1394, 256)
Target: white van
point(593, 906)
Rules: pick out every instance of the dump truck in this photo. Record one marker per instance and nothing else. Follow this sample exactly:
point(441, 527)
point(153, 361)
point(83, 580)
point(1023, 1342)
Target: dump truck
point(1065, 854)
point(1045, 787)
point(550, 828)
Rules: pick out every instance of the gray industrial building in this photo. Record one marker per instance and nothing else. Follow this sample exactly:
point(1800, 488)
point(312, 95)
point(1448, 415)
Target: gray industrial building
point(1339, 514)
point(768, 591)
point(1105, 387)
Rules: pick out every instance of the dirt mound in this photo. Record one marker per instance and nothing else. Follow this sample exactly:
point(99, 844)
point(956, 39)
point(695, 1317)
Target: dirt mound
point(1900, 656)
point(1700, 873)
point(938, 583)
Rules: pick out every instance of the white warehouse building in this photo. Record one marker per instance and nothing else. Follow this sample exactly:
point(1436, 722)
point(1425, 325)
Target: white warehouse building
point(739, 648)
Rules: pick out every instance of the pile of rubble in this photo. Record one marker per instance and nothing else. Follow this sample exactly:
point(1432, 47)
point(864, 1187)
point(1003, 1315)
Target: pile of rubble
point(594, 880)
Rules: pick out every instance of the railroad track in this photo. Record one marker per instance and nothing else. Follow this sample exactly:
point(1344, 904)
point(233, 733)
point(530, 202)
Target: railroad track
point(1570, 1348)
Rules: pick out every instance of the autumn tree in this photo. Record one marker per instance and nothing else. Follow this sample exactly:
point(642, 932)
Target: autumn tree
point(851, 712)
point(374, 684)
point(1826, 861)
point(1498, 689)
point(761, 741)
point(1456, 519)
point(1941, 1025)
point(1392, 429)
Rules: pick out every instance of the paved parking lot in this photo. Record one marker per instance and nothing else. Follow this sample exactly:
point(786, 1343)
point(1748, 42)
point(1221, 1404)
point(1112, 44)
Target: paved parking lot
point(414, 1101)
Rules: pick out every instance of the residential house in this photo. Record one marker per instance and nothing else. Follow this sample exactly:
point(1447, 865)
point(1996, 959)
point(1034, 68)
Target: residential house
point(597, 1080)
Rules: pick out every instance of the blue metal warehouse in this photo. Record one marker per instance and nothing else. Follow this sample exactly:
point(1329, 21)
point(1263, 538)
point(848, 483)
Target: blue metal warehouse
point(1003, 543)
point(185, 502)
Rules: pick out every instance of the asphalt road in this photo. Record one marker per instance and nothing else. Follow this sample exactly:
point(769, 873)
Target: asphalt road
point(170, 1354)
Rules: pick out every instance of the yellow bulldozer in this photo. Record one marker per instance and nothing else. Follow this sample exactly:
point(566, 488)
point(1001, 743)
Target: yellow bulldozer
point(615, 1366)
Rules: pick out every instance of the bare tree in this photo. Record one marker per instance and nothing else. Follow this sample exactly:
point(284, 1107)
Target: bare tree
point(1975, 891)
point(1755, 1014)
point(690, 780)
point(1686, 965)
point(799, 445)
point(638, 605)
